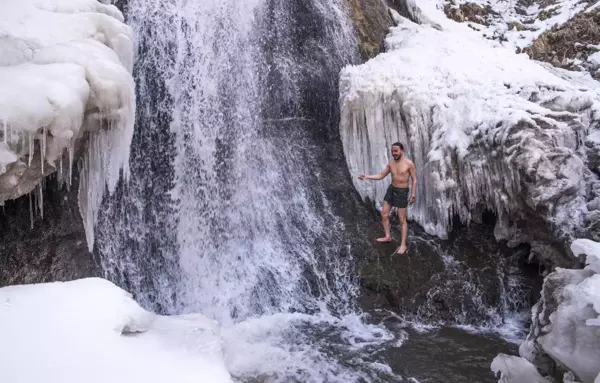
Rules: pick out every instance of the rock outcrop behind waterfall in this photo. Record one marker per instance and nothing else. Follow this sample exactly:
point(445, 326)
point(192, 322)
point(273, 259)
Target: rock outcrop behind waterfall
point(488, 130)
point(564, 340)
point(66, 92)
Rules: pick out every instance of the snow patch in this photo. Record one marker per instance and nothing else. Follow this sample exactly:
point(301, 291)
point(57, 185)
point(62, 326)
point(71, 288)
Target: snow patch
point(90, 330)
point(594, 58)
point(65, 75)
point(482, 124)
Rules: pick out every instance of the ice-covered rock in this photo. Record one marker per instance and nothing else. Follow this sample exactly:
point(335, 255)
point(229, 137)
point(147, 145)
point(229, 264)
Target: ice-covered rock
point(65, 87)
point(486, 128)
point(565, 331)
point(513, 369)
point(90, 330)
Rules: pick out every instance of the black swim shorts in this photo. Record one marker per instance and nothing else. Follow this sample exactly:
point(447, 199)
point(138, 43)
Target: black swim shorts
point(397, 197)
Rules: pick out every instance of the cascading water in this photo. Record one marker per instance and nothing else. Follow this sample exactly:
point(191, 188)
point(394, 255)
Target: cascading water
point(247, 227)
point(226, 213)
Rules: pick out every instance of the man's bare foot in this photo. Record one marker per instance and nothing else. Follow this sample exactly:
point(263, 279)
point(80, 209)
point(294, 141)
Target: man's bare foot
point(402, 250)
point(384, 239)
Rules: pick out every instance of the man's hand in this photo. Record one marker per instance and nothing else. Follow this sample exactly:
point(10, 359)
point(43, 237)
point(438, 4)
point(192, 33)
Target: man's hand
point(412, 199)
point(362, 177)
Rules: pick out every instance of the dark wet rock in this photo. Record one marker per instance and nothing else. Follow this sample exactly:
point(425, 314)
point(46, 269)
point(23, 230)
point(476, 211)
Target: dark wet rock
point(592, 147)
point(467, 279)
point(54, 249)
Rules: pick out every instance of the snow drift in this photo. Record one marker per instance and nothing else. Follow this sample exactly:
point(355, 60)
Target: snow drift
point(65, 87)
point(486, 128)
point(90, 330)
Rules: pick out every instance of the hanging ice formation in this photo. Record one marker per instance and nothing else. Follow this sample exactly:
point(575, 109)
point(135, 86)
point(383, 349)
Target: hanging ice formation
point(486, 128)
point(62, 89)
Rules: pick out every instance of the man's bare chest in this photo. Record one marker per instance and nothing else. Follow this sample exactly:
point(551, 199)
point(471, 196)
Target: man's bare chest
point(400, 170)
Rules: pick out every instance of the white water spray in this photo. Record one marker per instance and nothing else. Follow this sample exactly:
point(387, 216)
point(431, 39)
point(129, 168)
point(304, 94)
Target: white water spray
point(252, 241)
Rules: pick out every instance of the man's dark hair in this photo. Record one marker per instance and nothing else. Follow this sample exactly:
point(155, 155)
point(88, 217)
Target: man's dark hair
point(398, 145)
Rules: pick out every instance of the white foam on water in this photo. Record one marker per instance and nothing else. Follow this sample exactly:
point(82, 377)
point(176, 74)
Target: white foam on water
point(306, 348)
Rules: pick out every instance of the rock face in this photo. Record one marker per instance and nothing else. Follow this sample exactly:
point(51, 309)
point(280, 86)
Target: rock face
point(38, 249)
point(573, 45)
point(487, 129)
point(371, 22)
point(465, 280)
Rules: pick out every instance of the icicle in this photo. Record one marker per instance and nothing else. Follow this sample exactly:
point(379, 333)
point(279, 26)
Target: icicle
point(60, 167)
point(43, 148)
point(70, 150)
point(5, 133)
point(41, 202)
point(30, 148)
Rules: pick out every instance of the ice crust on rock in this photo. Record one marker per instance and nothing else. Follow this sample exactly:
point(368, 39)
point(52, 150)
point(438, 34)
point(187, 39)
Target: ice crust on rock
point(566, 321)
point(486, 128)
point(65, 85)
point(90, 330)
point(513, 369)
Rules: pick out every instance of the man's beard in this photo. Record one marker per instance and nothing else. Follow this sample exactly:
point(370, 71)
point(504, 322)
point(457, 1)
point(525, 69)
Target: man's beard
point(397, 157)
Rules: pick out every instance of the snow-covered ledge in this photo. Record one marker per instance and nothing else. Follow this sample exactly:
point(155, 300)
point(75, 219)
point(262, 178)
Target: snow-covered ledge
point(91, 331)
point(487, 129)
point(65, 88)
point(565, 330)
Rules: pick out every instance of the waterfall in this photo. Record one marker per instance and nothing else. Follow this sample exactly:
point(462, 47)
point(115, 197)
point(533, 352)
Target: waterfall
point(223, 166)
point(229, 208)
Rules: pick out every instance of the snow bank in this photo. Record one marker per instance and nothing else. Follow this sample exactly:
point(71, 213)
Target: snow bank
point(566, 321)
point(485, 127)
point(64, 75)
point(92, 331)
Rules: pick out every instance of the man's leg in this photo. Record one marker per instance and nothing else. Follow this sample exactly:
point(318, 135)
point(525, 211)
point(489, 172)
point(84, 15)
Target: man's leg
point(402, 217)
point(385, 220)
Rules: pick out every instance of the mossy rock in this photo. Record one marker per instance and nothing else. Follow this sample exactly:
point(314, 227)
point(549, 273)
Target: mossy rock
point(469, 12)
point(568, 41)
point(371, 21)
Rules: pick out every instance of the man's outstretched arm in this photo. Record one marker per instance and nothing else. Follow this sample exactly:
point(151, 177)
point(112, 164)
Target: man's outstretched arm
point(377, 177)
point(413, 190)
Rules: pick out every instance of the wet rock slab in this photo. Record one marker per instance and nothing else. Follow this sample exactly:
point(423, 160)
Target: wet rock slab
point(54, 249)
point(467, 279)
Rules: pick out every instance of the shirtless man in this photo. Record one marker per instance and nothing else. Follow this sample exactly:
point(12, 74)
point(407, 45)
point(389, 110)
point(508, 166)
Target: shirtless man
point(397, 194)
